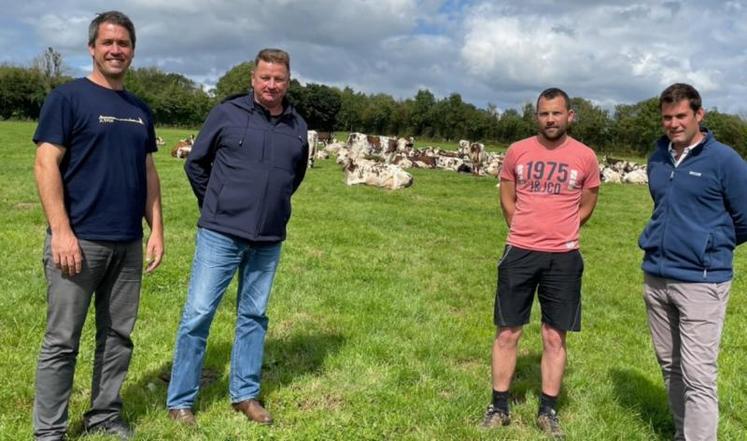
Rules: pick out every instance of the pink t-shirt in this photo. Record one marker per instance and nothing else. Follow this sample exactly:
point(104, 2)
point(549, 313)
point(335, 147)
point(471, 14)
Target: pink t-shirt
point(548, 192)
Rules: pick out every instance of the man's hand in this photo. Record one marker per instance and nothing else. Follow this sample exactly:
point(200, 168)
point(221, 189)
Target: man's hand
point(153, 252)
point(66, 253)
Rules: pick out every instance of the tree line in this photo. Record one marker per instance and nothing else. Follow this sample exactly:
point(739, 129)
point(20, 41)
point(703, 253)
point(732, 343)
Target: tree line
point(178, 101)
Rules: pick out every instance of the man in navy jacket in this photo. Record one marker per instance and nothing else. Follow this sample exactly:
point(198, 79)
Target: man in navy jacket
point(699, 188)
point(247, 161)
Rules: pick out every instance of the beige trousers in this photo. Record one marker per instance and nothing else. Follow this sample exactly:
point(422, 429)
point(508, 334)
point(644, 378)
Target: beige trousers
point(686, 320)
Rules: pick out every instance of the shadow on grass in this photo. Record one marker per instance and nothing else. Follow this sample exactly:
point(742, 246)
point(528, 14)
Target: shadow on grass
point(645, 399)
point(284, 360)
point(527, 377)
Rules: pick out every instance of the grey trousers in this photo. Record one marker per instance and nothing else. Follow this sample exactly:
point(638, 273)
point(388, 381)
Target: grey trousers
point(111, 270)
point(686, 320)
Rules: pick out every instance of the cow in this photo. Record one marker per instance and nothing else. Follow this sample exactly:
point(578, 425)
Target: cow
point(463, 147)
point(476, 155)
point(405, 144)
point(183, 147)
point(312, 137)
point(495, 164)
point(325, 137)
point(377, 174)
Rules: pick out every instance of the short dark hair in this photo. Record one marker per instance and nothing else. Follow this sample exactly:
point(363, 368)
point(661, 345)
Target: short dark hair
point(553, 93)
point(113, 17)
point(271, 55)
point(678, 92)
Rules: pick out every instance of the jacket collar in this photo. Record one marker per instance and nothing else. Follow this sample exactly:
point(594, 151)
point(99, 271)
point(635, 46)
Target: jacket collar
point(663, 142)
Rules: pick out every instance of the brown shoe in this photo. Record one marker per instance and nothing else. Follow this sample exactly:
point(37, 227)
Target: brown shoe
point(183, 416)
point(254, 411)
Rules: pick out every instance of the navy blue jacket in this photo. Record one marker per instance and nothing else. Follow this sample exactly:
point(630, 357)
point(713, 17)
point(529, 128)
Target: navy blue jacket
point(244, 167)
point(700, 212)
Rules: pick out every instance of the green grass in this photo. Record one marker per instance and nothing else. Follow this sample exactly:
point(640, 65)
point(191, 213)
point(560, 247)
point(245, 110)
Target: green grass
point(381, 318)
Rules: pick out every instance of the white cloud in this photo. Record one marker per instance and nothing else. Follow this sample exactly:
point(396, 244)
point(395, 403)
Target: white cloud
point(608, 51)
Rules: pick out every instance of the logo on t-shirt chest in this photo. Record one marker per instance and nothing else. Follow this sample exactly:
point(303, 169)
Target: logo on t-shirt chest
point(548, 177)
point(112, 119)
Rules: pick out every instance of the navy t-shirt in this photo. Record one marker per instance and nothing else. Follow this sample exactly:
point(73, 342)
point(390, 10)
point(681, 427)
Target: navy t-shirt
point(107, 135)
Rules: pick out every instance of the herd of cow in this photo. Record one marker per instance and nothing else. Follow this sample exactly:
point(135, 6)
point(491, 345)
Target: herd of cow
point(381, 161)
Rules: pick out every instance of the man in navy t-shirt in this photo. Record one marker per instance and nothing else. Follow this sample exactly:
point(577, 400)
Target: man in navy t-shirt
point(97, 180)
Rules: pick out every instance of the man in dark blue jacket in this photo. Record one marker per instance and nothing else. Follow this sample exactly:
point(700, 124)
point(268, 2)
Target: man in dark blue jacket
point(699, 188)
point(247, 161)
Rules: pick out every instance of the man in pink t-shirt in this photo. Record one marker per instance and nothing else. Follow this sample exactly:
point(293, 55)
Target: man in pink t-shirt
point(549, 186)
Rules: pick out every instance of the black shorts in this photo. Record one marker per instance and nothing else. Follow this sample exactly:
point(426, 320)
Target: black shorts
point(555, 276)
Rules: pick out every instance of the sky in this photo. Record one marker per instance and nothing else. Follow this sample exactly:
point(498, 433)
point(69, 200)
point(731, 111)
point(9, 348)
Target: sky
point(490, 52)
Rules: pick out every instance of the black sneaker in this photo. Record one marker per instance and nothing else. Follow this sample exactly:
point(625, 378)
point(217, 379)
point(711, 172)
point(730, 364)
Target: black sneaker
point(115, 427)
point(495, 418)
point(547, 421)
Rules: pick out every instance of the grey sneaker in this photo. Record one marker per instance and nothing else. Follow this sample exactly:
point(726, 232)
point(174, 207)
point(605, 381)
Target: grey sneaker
point(547, 421)
point(495, 418)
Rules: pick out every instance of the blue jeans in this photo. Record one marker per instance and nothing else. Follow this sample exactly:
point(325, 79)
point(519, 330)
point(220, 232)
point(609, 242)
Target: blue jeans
point(217, 257)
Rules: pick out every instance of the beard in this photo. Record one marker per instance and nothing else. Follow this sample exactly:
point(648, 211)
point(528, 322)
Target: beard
point(551, 135)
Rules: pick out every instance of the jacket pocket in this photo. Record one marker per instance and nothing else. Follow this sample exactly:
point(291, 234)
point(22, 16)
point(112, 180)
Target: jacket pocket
point(644, 240)
point(237, 199)
point(706, 254)
point(287, 150)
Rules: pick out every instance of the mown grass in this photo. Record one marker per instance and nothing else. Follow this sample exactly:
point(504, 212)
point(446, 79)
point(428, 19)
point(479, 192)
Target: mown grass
point(381, 318)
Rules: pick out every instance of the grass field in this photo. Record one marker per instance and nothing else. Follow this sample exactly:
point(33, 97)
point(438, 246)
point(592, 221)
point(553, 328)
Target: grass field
point(380, 319)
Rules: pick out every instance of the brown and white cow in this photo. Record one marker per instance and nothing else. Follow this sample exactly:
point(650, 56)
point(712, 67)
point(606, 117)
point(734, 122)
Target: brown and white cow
point(183, 147)
point(377, 174)
point(325, 137)
point(476, 155)
point(312, 137)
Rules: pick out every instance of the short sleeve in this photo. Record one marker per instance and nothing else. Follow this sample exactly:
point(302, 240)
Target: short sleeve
point(592, 173)
point(55, 120)
point(151, 145)
point(509, 166)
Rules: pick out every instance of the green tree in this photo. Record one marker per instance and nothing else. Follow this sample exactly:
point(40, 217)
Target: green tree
point(350, 115)
point(173, 98)
point(378, 114)
point(512, 126)
point(422, 113)
point(637, 126)
point(238, 79)
point(729, 129)
point(320, 106)
point(591, 125)
point(22, 92)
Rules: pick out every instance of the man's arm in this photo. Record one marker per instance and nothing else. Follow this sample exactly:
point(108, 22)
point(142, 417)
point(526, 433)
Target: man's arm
point(587, 204)
point(735, 194)
point(199, 163)
point(64, 245)
point(508, 200)
point(153, 215)
point(301, 166)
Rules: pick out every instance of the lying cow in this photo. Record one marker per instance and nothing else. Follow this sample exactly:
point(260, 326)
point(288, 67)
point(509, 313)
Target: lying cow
point(377, 174)
point(182, 148)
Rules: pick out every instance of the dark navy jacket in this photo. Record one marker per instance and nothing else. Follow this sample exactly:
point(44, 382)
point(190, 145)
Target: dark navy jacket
point(700, 212)
point(244, 167)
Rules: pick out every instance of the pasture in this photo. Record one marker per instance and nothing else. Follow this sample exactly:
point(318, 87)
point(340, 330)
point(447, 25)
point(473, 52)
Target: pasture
point(380, 318)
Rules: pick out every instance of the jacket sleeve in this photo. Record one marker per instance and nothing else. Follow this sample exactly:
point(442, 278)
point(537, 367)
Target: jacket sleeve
point(199, 162)
point(735, 194)
point(301, 166)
